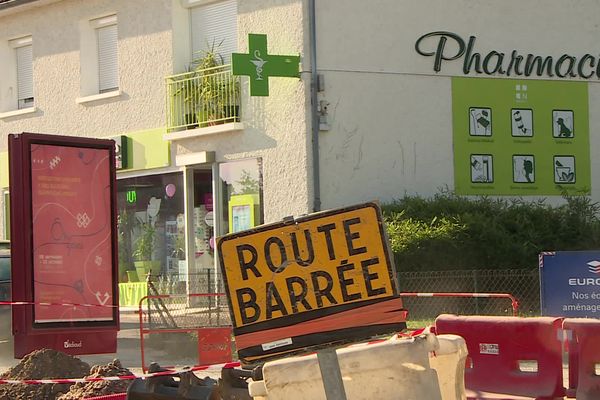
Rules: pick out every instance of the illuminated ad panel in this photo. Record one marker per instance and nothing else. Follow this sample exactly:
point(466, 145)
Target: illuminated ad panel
point(72, 235)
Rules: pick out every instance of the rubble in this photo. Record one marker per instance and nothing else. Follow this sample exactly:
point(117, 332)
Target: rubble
point(92, 389)
point(52, 364)
point(42, 364)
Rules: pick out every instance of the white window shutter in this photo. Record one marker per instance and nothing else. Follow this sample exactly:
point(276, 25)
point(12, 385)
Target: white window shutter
point(25, 75)
point(108, 62)
point(215, 23)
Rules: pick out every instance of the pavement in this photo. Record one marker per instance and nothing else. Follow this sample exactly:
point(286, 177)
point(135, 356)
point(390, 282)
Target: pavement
point(168, 350)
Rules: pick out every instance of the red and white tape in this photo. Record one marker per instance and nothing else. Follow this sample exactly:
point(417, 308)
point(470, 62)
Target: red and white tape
point(119, 378)
point(216, 367)
point(31, 303)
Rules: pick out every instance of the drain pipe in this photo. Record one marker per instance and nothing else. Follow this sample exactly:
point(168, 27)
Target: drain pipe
point(314, 78)
point(327, 358)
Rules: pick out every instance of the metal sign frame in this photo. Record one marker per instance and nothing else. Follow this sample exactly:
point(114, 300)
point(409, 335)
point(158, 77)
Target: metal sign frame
point(87, 335)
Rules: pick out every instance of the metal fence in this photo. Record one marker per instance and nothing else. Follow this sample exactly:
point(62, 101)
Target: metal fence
point(184, 329)
point(202, 98)
point(178, 301)
point(200, 282)
point(522, 284)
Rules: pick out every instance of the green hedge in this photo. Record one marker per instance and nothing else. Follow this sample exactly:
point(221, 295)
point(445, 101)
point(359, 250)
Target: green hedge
point(452, 232)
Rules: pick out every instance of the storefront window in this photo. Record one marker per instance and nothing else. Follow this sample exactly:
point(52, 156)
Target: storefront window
point(151, 226)
point(241, 185)
point(203, 229)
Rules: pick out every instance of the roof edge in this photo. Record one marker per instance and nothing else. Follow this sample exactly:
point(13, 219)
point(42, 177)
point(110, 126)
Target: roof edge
point(13, 3)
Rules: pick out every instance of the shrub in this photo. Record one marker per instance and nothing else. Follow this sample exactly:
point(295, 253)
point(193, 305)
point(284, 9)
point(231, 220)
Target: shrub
point(454, 232)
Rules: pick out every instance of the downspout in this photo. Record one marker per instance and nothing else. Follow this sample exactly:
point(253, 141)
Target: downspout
point(315, 105)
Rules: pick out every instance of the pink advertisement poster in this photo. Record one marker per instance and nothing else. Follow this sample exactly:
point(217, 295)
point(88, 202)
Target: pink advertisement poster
point(71, 233)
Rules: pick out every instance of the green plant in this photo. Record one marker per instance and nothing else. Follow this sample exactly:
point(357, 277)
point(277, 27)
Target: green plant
point(454, 232)
point(144, 245)
point(212, 93)
point(179, 250)
point(125, 223)
point(411, 234)
point(208, 58)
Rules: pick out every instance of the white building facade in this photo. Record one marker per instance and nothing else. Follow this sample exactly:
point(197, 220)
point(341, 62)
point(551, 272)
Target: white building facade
point(393, 98)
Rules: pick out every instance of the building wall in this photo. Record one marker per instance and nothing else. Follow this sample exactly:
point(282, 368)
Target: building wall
point(390, 114)
point(145, 58)
point(277, 127)
point(154, 42)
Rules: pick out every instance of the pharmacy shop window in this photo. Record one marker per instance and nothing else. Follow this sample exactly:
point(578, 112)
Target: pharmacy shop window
point(151, 225)
point(241, 184)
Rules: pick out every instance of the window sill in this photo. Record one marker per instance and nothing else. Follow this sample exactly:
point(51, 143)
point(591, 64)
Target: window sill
point(15, 113)
point(210, 130)
point(97, 97)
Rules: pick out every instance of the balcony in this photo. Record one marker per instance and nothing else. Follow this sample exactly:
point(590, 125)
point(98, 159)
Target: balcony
point(202, 99)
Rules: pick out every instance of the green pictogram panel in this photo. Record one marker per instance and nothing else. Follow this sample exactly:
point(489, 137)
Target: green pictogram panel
point(520, 137)
point(259, 65)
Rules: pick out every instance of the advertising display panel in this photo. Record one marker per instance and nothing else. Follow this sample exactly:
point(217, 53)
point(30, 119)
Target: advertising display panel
point(70, 199)
point(570, 284)
point(320, 279)
point(64, 243)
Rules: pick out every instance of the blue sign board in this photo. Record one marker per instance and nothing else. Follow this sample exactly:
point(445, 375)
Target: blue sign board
point(570, 283)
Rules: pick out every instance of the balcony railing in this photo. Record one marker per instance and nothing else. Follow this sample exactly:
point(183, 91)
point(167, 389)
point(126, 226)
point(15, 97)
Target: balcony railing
point(202, 98)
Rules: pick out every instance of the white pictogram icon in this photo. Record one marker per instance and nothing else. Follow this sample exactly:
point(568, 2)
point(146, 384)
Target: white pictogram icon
point(594, 267)
point(83, 220)
point(54, 162)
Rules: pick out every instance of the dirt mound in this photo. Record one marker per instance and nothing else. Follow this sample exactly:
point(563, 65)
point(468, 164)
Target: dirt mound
point(93, 389)
point(42, 364)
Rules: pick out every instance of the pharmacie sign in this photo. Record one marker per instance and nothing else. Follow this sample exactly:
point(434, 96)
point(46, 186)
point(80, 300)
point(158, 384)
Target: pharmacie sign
point(322, 278)
point(445, 47)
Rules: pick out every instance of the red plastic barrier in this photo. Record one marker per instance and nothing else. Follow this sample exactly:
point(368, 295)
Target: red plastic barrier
point(584, 354)
point(119, 396)
point(503, 352)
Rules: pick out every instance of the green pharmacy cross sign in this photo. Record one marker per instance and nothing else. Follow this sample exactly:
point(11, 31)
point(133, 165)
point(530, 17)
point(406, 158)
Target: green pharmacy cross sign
point(259, 65)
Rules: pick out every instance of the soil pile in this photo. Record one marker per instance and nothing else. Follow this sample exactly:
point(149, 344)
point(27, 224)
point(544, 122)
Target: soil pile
point(42, 364)
point(93, 389)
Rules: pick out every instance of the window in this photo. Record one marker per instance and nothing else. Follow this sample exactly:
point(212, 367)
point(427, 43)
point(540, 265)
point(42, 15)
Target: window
point(151, 226)
point(99, 58)
point(16, 72)
point(241, 192)
point(24, 57)
point(108, 67)
point(214, 27)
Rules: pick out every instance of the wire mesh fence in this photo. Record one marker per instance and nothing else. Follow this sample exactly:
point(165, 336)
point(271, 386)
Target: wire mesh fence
point(522, 284)
point(182, 308)
point(199, 282)
point(185, 329)
point(181, 302)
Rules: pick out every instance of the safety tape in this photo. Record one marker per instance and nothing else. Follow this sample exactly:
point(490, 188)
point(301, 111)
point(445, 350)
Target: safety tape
point(121, 377)
point(31, 303)
point(218, 367)
point(457, 294)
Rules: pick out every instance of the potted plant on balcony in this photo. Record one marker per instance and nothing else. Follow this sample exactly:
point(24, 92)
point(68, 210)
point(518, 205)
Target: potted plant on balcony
point(206, 95)
point(216, 93)
point(144, 247)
